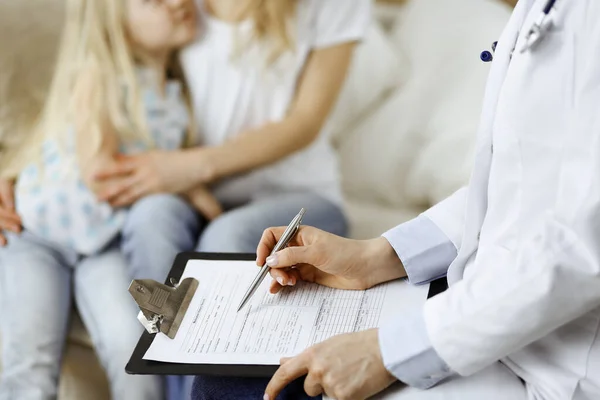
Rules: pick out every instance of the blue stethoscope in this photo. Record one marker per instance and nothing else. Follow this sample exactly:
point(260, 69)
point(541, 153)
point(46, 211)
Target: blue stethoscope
point(535, 35)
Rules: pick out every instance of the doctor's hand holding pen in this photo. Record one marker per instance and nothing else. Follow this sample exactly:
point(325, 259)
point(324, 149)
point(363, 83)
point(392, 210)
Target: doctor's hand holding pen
point(9, 220)
point(346, 366)
point(317, 256)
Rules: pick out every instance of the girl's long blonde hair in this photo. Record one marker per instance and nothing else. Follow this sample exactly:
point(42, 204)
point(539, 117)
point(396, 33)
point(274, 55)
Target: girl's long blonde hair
point(95, 79)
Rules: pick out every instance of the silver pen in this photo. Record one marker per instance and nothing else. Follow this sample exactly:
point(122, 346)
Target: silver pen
point(283, 241)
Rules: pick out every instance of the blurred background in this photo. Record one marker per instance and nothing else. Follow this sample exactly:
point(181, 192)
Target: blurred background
point(403, 127)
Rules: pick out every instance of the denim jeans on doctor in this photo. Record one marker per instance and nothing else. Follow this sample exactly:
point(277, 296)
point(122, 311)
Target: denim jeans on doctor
point(162, 226)
point(38, 281)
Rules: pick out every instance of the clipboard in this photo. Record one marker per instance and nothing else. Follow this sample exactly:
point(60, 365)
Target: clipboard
point(138, 366)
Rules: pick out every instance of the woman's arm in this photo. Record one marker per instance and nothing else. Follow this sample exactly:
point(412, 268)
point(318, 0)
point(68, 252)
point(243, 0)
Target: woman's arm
point(317, 92)
point(183, 170)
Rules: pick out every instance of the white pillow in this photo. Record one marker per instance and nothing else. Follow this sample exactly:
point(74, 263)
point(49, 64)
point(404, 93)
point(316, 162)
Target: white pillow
point(377, 69)
point(444, 40)
point(378, 152)
point(415, 148)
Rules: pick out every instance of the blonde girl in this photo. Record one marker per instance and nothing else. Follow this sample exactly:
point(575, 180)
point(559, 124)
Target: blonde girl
point(117, 89)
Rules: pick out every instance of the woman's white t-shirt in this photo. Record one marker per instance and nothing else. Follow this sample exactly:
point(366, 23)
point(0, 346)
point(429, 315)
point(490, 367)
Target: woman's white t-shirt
point(234, 92)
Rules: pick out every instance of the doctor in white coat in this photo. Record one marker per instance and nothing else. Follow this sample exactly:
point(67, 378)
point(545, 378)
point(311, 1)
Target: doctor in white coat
point(520, 245)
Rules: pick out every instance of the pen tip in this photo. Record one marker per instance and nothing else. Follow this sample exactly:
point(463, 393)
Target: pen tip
point(242, 304)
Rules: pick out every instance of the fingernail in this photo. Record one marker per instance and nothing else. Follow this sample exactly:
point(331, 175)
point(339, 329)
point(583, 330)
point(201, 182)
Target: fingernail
point(291, 282)
point(266, 397)
point(272, 260)
point(280, 280)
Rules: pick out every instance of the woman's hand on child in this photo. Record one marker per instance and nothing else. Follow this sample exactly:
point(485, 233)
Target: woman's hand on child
point(136, 176)
point(9, 220)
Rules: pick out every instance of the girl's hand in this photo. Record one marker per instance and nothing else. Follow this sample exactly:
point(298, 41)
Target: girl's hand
point(9, 220)
point(320, 257)
point(136, 176)
point(204, 202)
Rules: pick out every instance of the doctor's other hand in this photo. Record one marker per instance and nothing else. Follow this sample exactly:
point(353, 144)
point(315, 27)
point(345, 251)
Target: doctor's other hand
point(344, 367)
point(9, 220)
point(317, 256)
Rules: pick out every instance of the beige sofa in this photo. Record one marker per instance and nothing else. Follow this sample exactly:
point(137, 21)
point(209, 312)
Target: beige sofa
point(404, 125)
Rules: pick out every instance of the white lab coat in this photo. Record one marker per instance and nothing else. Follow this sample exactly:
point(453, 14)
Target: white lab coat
point(525, 287)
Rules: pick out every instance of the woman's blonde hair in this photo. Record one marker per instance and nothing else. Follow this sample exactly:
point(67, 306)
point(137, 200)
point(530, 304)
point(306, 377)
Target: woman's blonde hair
point(95, 80)
point(271, 22)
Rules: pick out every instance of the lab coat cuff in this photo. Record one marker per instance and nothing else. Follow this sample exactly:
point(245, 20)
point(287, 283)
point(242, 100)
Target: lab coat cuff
point(408, 354)
point(425, 251)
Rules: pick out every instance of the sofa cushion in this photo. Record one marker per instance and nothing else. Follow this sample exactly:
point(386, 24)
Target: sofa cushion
point(34, 26)
point(368, 220)
point(81, 376)
point(367, 82)
point(415, 149)
point(448, 83)
point(377, 153)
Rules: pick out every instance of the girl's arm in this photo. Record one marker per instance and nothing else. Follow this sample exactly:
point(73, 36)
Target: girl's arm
point(9, 220)
point(317, 92)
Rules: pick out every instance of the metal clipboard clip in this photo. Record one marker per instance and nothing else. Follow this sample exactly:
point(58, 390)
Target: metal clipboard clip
point(162, 307)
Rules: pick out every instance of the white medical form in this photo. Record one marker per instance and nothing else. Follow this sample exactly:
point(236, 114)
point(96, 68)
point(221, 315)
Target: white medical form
point(270, 326)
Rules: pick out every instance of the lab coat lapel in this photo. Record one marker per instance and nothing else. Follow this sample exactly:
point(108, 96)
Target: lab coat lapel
point(477, 197)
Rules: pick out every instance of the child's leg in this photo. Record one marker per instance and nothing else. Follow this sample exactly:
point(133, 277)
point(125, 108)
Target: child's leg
point(157, 228)
point(109, 313)
point(35, 310)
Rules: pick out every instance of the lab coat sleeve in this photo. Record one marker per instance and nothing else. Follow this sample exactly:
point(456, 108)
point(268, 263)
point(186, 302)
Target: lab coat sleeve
point(425, 251)
point(407, 352)
point(449, 216)
point(556, 274)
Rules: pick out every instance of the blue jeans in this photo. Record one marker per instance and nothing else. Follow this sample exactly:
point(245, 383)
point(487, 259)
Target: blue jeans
point(158, 227)
point(162, 226)
point(38, 281)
